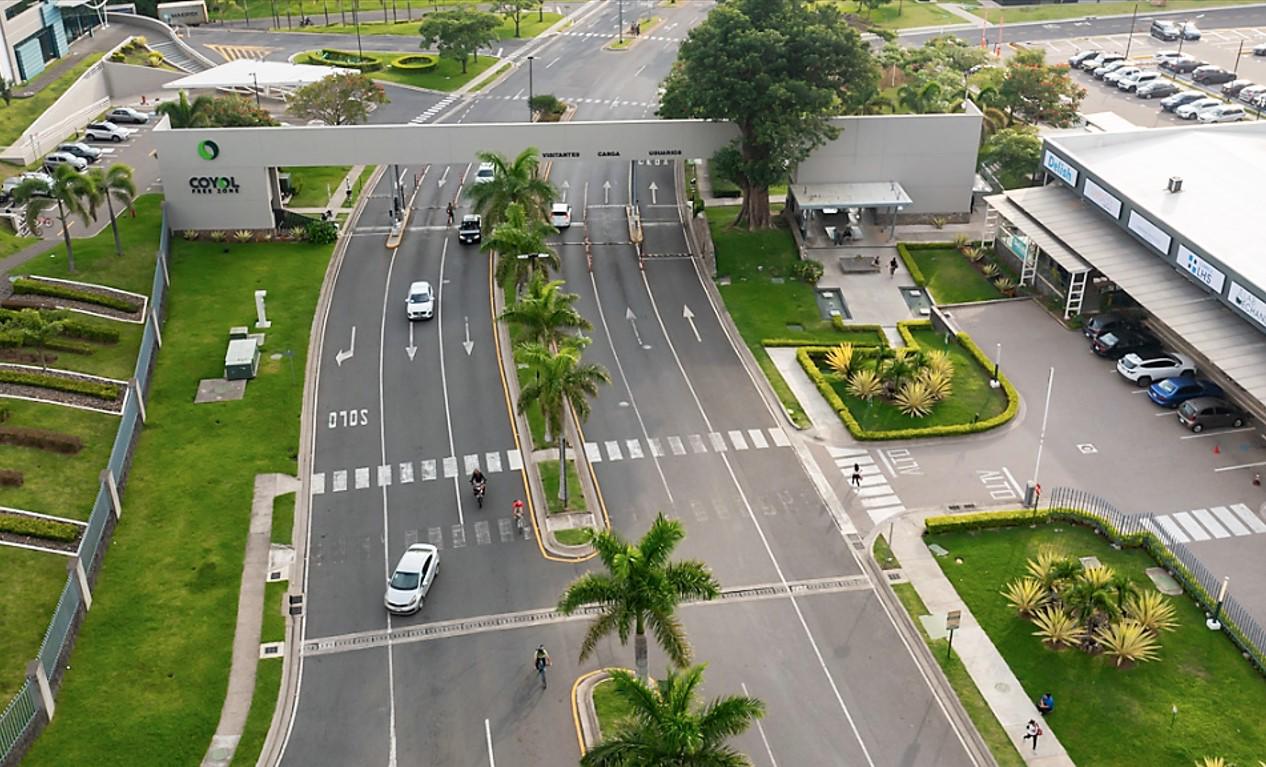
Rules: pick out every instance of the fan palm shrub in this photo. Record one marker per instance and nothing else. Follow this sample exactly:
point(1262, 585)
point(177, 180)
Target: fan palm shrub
point(915, 399)
point(1026, 595)
point(1126, 641)
point(865, 384)
point(1057, 627)
point(1152, 611)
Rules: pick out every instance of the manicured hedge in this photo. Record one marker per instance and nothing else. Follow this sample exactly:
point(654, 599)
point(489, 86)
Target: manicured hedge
point(415, 62)
point(10, 478)
point(24, 286)
point(43, 439)
point(331, 57)
point(903, 250)
point(38, 528)
point(72, 327)
point(100, 390)
point(951, 523)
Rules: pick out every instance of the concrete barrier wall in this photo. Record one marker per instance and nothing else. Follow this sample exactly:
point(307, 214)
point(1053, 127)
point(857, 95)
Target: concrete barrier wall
point(162, 30)
point(82, 101)
point(128, 81)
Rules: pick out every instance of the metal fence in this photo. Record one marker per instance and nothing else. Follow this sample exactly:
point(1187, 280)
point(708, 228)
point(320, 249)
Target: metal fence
point(23, 716)
point(1198, 581)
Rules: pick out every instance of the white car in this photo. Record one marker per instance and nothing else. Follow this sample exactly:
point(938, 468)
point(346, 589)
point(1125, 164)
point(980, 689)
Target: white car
point(1223, 113)
point(13, 182)
point(560, 215)
point(1190, 111)
point(1160, 56)
point(1116, 75)
point(412, 579)
point(1111, 66)
point(1249, 93)
point(1259, 49)
point(1134, 81)
point(1145, 370)
point(106, 131)
point(420, 305)
point(53, 159)
point(486, 173)
point(127, 115)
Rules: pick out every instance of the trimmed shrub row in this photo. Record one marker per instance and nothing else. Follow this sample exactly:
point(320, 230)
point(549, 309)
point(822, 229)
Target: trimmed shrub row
point(99, 390)
point(74, 327)
point(331, 57)
point(24, 286)
point(43, 439)
point(415, 62)
point(38, 528)
point(980, 520)
point(10, 478)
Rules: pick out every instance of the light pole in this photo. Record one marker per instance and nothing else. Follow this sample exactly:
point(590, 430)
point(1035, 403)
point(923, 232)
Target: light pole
point(1213, 624)
point(356, 21)
point(622, 22)
point(1130, 40)
point(255, 77)
point(1041, 440)
point(530, 91)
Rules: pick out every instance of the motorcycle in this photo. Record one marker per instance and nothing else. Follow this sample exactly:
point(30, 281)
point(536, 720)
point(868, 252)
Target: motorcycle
point(480, 488)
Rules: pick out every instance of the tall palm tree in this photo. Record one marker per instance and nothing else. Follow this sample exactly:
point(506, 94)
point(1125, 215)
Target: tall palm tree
point(561, 380)
point(641, 588)
point(667, 727)
point(69, 191)
point(545, 312)
point(516, 181)
point(188, 114)
point(519, 243)
point(921, 100)
point(113, 185)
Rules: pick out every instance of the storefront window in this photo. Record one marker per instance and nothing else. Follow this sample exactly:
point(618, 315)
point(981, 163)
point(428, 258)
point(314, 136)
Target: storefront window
point(16, 8)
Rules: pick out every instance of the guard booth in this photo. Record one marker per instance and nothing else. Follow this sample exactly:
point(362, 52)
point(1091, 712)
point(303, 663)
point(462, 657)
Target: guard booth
point(821, 211)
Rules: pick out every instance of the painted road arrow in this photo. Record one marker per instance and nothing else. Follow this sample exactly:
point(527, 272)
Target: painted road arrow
point(632, 318)
point(468, 344)
point(606, 192)
point(690, 317)
point(653, 189)
point(566, 186)
point(347, 355)
point(411, 349)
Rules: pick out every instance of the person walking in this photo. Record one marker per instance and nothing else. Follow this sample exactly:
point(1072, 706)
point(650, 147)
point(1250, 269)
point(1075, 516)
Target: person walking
point(856, 479)
point(1032, 730)
point(451, 212)
point(892, 267)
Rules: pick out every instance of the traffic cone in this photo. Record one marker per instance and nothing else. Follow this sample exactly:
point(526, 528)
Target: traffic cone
point(1257, 479)
point(1217, 449)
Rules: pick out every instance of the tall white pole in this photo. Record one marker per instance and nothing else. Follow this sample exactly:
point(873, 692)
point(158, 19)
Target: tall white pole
point(1050, 382)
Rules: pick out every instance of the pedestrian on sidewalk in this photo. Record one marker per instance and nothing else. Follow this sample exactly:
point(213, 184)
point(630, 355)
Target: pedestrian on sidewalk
point(892, 267)
point(1032, 730)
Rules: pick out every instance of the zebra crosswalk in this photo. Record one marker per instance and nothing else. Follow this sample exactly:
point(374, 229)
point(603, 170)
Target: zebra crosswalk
point(873, 491)
point(234, 52)
point(608, 450)
point(482, 532)
point(614, 36)
point(1213, 523)
point(434, 109)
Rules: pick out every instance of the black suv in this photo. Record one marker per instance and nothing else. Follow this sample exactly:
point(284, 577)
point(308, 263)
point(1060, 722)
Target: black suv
point(471, 231)
point(1107, 322)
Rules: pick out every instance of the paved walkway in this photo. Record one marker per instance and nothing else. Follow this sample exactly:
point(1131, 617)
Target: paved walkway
point(999, 687)
point(100, 41)
point(250, 615)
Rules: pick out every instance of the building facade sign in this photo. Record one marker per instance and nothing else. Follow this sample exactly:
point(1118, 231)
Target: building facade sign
point(1200, 269)
point(1100, 196)
point(1151, 233)
point(1248, 303)
point(1019, 245)
point(1057, 165)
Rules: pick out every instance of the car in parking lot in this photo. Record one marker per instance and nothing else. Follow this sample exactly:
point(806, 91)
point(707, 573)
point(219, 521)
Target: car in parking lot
point(1156, 89)
point(80, 149)
point(127, 115)
point(1249, 93)
point(1115, 75)
point(1172, 392)
point(471, 230)
point(1117, 343)
point(420, 305)
point(53, 159)
point(1165, 30)
point(411, 581)
point(560, 215)
point(1212, 74)
point(1203, 413)
point(1170, 103)
point(1099, 59)
point(1145, 370)
point(1077, 58)
point(1106, 322)
point(1259, 49)
point(1234, 87)
point(1182, 64)
point(12, 183)
point(1167, 55)
point(1111, 66)
point(486, 173)
point(1132, 82)
point(1190, 32)
point(1192, 110)
point(1223, 113)
point(106, 131)
point(1260, 101)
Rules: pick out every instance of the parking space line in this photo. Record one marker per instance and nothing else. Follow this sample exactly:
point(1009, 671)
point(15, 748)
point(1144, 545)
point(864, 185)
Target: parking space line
point(1241, 466)
point(1195, 531)
point(1204, 434)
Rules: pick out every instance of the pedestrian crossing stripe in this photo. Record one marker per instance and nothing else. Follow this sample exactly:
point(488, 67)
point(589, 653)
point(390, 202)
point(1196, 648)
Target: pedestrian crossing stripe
point(872, 489)
point(235, 52)
point(1197, 525)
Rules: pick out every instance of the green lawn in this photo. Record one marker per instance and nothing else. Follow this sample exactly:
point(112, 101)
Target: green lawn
point(33, 583)
point(273, 628)
point(18, 115)
point(1054, 12)
point(883, 554)
point(447, 75)
point(549, 482)
point(609, 707)
point(951, 278)
point(370, 10)
point(56, 483)
point(284, 519)
point(314, 185)
point(162, 644)
point(263, 702)
point(95, 260)
point(1219, 696)
point(117, 360)
point(968, 694)
point(529, 27)
point(10, 243)
point(722, 187)
point(902, 15)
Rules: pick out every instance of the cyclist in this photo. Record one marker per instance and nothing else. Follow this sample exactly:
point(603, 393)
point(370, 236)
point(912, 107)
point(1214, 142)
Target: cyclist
point(518, 514)
point(542, 662)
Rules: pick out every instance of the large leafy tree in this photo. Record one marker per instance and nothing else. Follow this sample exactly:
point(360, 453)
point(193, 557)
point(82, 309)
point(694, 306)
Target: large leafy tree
point(111, 186)
point(340, 99)
point(667, 726)
point(237, 112)
point(39, 328)
point(522, 252)
point(641, 589)
point(184, 113)
point(70, 192)
point(777, 69)
point(514, 181)
point(1037, 92)
point(458, 35)
point(1014, 153)
point(545, 312)
point(514, 9)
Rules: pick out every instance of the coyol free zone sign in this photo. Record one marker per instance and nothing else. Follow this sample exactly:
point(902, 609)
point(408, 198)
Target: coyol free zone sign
point(213, 185)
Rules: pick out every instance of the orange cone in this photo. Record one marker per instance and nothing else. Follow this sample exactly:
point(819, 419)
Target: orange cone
point(1217, 449)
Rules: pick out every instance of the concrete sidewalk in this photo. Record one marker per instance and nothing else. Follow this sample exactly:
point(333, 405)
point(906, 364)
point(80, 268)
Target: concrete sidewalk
point(999, 687)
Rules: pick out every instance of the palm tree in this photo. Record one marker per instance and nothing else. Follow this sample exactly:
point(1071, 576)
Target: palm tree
point(561, 380)
point(921, 100)
point(519, 243)
point(69, 190)
point(37, 328)
point(545, 312)
point(113, 185)
point(665, 726)
point(188, 114)
point(512, 182)
point(641, 588)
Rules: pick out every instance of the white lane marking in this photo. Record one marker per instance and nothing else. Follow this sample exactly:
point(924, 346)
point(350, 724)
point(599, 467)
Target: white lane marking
point(504, 530)
point(758, 438)
point(514, 459)
point(736, 437)
point(318, 483)
point(881, 515)
point(1241, 466)
point(428, 470)
point(459, 536)
point(1210, 523)
point(386, 527)
point(448, 418)
point(450, 467)
point(1174, 531)
point(1194, 530)
point(718, 442)
point(634, 448)
point(493, 462)
point(759, 728)
point(436, 536)
point(492, 760)
point(696, 443)
point(384, 475)
point(871, 492)
point(657, 448)
point(593, 452)
point(340, 480)
point(472, 463)
point(847, 452)
point(1234, 525)
point(886, 500)
point(780, 437)
point(406, 473)
point(613, 450)
point(362, 478)
point(674, 444)
point(1246, 514)
point(483, 534)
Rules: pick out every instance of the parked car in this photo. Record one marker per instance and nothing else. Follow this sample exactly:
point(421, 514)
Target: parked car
point(1165, 30)
point(1183, 64)
point(106, 131)
point(1250, 92)
point(1190, 32)
point(420, 305)
point(127, 115)
point(11, 183)
point(1233, 88)
point(1098, 60)
point(1170, 103)
point(1077, 58)
point(53, 159)
point(1111, 66)
point(487, 172)
point(1144, 371)
point(1156, 89)
point(1223, 113)
point(1212, 74)
point(471, 229)
point(1172, 392)
point(80, 149)
point(1260, 101)
point(1118, 343)
point(1259, 49)
point(1168, 55)
point(1106, 322)
point(411, 580)
point(1203, 413)
point(1129, 84)
point(560, 215)
point(1191, 110)
point(1115, 75)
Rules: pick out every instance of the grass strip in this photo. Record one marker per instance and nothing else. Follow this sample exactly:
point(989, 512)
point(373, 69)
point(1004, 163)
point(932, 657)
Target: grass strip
point(361, 180)
point(33, 582)
point(55, 483)
point(18, 115)
point(549, 482)
point(446, 75)
point(883, 554)
point(609, 707)
point(163, 644)
point(96, 260)
point(23, 286)
point(107, 392)
point(263, 703)
point(284, 519)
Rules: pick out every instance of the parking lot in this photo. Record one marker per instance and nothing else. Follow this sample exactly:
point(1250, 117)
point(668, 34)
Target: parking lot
point(1218, 46)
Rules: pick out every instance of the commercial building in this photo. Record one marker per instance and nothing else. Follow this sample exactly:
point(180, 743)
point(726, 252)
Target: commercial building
point(1165, 219)
point(35, 32)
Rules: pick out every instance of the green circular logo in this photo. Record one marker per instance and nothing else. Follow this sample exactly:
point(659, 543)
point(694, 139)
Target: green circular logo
point(208, 150)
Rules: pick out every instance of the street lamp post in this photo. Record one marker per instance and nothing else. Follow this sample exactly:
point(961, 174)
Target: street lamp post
point(1213, 624)
point(255, 77)
point(530, 90)
point(1130, 40)
point(356, 20)
point(621, 22)
point(1041, 439)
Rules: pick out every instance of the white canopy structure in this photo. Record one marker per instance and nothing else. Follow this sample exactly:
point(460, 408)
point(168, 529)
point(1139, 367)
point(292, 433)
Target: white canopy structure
point(249, 73)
